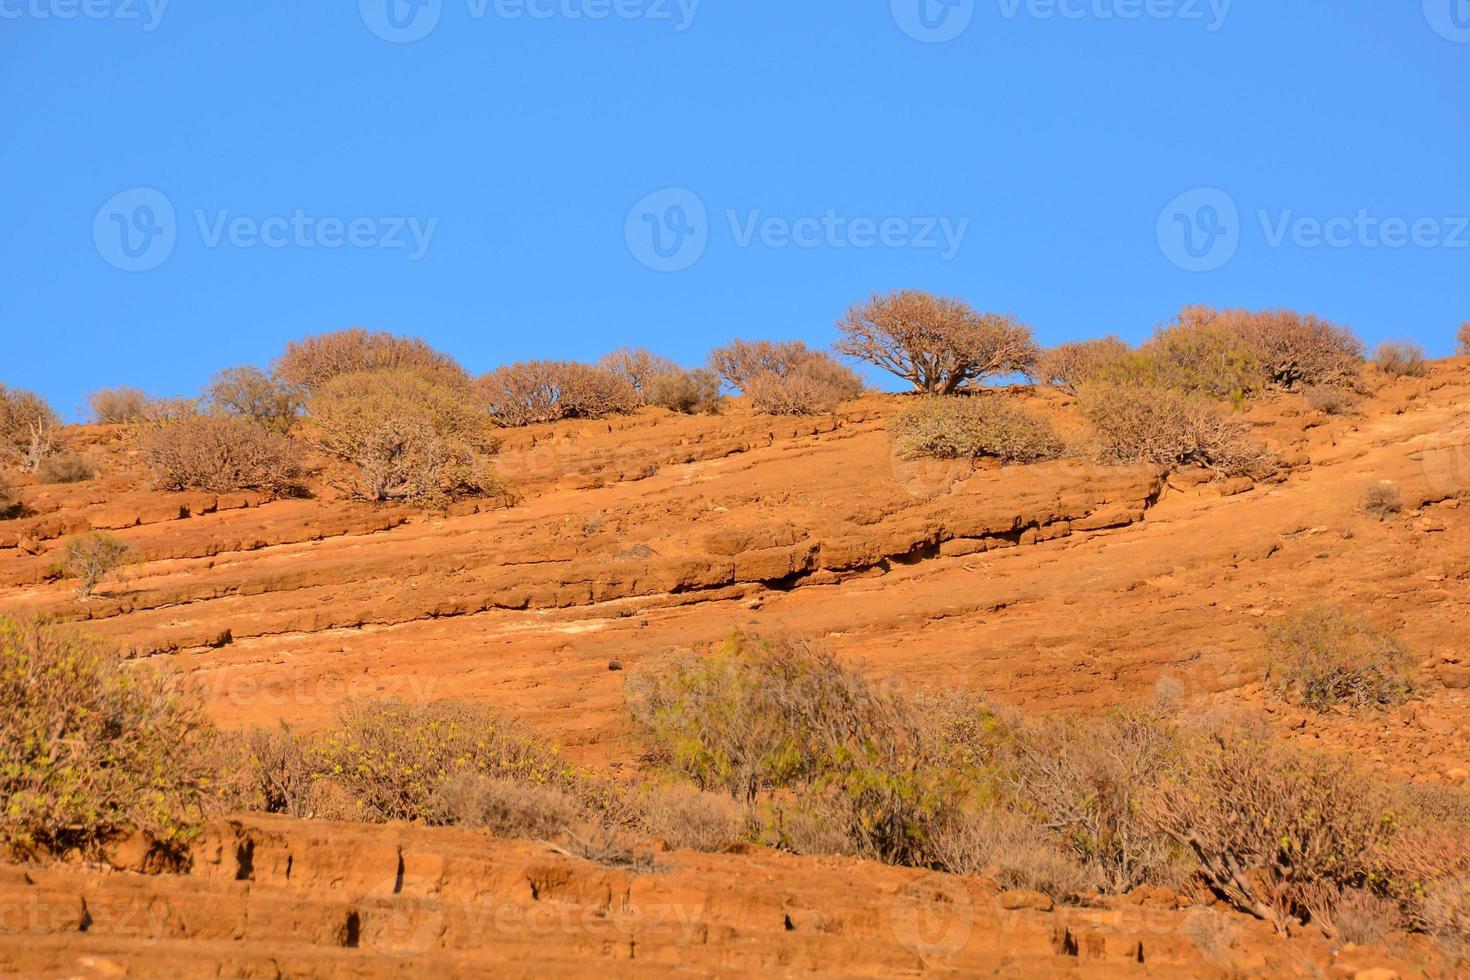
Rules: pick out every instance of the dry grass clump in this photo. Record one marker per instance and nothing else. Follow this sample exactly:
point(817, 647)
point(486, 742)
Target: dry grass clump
point(1324, 658)
point(250, 393)
point(1400, 359)
point(1329, 400)
point(311, 363)
point(686, 818)
point(1069, 366)
point(938, 344)
point(533, 392)
point(1383, 501)
point(91, 558)
point(503, 807)
point(220, 454)
point(90, 748)
point(117, 406)
point(1169, 428)
point(27, 428)
point(960, 427)
point(403, 435)
point(65, 468)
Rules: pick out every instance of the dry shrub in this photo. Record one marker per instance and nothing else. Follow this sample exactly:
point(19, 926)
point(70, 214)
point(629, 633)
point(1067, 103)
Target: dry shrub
point(1383, 501)
point(250, 393)
point(311, 363)
point(1400, 359)
point(1069, 366)
point(90, 748)
point(1323, 658)
point(687, 392)
point(1169, 428)
point(959, 427)
point(90, 558)
point(1353, 916)
point(691, 820)
point(503, 807)
point(638, 367)
point(1445, 911)
point(27, 427)
point(276, 772)
point(64, 468)
point(402, 435)
point(1329, 400)
point(220, 454)
point(114, 406)
point(1009, 848)
point(936, 343)
point(802, 392)
point(1292, 349)
point(1463, 338)
point(740, 360)
point(533, 392)
point(10, 502)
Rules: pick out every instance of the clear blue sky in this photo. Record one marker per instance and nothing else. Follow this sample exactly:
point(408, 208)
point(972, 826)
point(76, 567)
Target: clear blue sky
point(1050, 146)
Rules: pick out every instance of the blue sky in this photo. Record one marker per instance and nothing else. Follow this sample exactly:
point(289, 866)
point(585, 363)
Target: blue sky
point(273, 169)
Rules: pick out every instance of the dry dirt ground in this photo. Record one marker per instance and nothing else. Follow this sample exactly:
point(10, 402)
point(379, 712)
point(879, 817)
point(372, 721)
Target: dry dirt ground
point(1061, 587)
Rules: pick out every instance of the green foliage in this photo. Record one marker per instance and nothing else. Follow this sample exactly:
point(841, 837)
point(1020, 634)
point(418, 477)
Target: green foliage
point(969, 427)
point(90, 748)
point(1323, 658)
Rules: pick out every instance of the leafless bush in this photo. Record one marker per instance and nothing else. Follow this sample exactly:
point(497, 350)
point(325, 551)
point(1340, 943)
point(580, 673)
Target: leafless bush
point(10, 503)
point(638, 367)
point(1001, 844)
point(689, 819)
point(1400, 359)
point(938, 344)
point(503, 807)
point(220, 454)
point(1463, 338)
point(809, 390)
point(27, 427)
point(1323, 658)
point(277, 772)
point(1292, 350)
point(1354, 915)
point(64, 468)
point(401, 435)
point(112, 406)
point(960, 427)
point(688, 392)
point(1068, 366)
point(311, 363)
point(533, 392)
point(250, 393)
point(1329, 400)
point(1169, 428)
point(1383, 501)
point(740, 360)
point(90, 558)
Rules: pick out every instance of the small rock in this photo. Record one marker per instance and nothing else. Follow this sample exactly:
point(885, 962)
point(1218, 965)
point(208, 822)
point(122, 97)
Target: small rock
point(615, 666)
point(1026, 900)
point(1376, 973)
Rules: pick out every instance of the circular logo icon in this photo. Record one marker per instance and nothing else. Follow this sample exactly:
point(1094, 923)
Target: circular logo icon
point(401, 918)
point(933, 21)
point(136, 230)
point(401, 21)
point(1199, 231)
point(1449, 18)
point(933, 917)
point(668, 230)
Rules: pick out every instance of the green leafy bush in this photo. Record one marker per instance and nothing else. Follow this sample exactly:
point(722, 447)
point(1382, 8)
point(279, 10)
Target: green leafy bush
point(961, 427)
point(90, 748)
point(1323, 658)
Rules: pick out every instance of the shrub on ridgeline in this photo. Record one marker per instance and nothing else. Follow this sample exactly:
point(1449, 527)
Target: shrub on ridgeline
point(403, 435)
point(937, 344)
point(91, 558)
point(971, 427)
point(117, 406)
point(1400, 359)
point(1068, 366)
point(693, 392)
point(1462, 337)
point(252, 394)
point(1202, 357)
point(740, 360)
point(28, 428)
point(1169, 428)
point(786, 378)
point(220, 454)
point(309, 364)
point(638, 367)
point(1324, 658)
point(533, 392)
point(91, 748)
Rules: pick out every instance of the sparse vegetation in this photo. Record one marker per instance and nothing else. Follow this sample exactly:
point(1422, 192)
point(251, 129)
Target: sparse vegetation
point(1400, 359)
point(639, 368)
point(1462, 337)
point(401, 435)
point(252, 394)
point(687, 818)
point(786, 378)
point(10, 503)
point(1069, 366)
point(220, 454)
point(1383, 501)
point(1198, 357)
point(1323, 658)
point(1328, 400)
point(116, 406)
point(1292, 350)
point(533, 392)
point(687, 392)
point(504, 807)
point(27, 428)
point(64, 468)
point(91, 558)
point(960, 427)
point(311, 363)
point(90, 748)
point(938, 344)
point(1169, 428)
point(740, 360)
